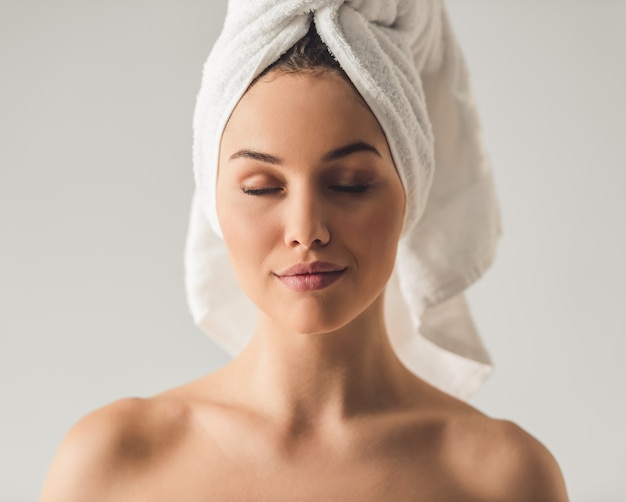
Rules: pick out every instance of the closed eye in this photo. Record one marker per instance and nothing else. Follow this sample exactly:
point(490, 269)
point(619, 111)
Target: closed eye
point(337, 188)
point(259, 191)
point(349, 188)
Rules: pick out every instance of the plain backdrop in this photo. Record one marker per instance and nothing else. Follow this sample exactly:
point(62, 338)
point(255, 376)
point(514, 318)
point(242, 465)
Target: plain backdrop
point(96, 101)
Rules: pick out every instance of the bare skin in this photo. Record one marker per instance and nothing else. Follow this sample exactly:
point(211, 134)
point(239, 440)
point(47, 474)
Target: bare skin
point(318, 406)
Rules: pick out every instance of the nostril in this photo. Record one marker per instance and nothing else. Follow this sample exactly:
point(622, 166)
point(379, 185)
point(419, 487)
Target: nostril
point(319, 237)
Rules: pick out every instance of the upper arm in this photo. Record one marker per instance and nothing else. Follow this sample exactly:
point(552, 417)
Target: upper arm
point(527, 470)
point(88, 459)
point(496, 460)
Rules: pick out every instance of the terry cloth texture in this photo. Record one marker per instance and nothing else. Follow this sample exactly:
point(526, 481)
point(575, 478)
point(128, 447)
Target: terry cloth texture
point(403, 58)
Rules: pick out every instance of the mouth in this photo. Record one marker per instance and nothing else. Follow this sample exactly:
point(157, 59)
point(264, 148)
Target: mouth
point(311, 276)
point(315, 267)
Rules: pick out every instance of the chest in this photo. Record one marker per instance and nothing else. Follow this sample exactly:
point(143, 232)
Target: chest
point(215, 477)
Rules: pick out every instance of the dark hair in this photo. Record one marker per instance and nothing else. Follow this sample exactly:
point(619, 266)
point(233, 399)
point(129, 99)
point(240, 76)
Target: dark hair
point(309, 54)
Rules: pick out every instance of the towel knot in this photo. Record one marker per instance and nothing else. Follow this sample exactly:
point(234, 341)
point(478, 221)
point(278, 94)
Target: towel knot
point(405, 15)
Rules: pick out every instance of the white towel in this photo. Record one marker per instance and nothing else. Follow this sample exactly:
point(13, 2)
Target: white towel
point(403, 58)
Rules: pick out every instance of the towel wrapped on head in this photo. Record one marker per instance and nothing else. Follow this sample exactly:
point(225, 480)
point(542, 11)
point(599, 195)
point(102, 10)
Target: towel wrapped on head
point(403, 58)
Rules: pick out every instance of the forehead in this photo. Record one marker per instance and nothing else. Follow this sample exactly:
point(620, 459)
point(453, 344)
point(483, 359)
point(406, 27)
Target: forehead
point(308, 111)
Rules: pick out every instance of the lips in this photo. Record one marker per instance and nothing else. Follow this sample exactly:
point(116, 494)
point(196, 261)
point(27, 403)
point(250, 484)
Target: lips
point(311, 276)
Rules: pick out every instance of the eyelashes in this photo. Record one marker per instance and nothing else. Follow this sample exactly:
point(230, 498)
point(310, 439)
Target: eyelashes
point(348, 189)
point(259, 191)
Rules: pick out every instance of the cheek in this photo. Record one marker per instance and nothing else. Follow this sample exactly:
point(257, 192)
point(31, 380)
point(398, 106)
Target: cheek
point(241, 227)
point(376, 231)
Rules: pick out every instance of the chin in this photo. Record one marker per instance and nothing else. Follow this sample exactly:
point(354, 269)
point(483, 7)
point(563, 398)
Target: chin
point(314, 318)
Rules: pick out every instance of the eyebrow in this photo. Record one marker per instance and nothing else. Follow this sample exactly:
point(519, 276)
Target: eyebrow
point(337, 153)
point(251, 154)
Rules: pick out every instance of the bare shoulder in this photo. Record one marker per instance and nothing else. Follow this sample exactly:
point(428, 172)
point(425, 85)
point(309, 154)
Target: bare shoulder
point(498, 460)
point(112, 444)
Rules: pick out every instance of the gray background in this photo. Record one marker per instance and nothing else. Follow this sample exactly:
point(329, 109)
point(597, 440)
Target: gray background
point(96, 101)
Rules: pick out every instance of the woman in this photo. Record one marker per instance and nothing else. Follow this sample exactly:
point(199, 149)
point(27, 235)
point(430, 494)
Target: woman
point(312, 207)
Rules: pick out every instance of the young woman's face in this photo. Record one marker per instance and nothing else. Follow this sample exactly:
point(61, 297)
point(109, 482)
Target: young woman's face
point(305, 175)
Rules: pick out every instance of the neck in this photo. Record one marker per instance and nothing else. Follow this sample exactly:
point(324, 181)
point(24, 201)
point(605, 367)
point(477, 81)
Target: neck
point(304, 379)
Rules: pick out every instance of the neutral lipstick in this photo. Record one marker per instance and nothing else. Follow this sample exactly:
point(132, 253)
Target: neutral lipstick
point(311, 276)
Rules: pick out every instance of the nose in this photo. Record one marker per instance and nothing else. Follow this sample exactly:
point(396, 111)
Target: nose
point(305, 221)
